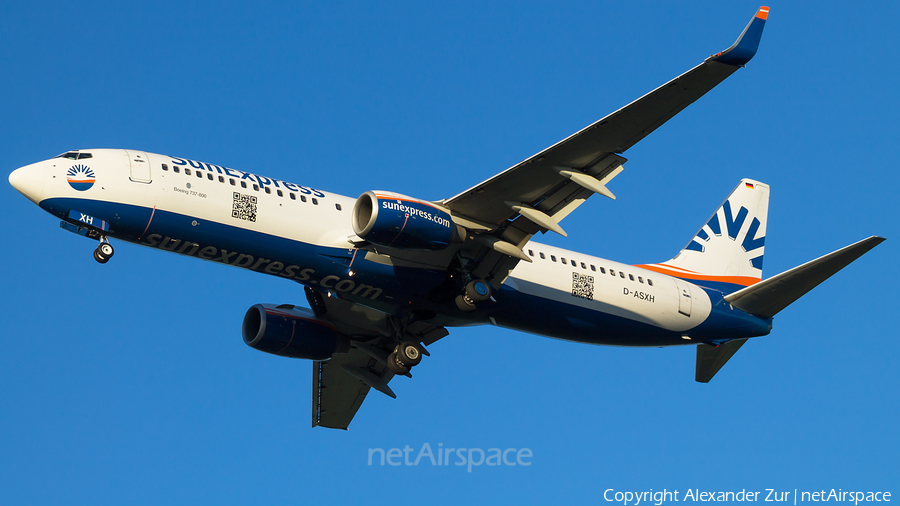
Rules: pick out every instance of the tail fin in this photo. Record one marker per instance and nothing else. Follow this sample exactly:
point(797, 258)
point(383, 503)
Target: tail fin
point(727, 252)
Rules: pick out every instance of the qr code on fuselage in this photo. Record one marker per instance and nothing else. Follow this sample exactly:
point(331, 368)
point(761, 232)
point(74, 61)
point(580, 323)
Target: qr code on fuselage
point(244, 207)
point(583, 286)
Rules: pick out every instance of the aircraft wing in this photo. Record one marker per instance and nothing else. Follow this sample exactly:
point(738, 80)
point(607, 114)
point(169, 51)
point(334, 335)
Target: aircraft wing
point(340, 384)
point(537, 181)
point(537, 193)
point(338, 391)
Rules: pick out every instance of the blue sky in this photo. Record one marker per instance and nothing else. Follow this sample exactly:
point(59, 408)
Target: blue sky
point(129, 383)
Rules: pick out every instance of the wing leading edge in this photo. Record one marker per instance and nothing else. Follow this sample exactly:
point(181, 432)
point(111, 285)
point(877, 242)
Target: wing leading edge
point(532, 179)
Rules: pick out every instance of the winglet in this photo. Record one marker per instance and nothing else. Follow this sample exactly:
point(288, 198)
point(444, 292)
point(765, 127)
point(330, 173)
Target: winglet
point(744, 48)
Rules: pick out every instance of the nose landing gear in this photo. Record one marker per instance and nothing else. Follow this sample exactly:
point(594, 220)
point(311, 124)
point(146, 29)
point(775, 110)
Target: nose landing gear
point(104, 251)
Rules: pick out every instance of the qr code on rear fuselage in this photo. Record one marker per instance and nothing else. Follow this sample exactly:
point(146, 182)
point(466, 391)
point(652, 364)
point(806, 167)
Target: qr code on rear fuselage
point(244, 207)
point(583, 286)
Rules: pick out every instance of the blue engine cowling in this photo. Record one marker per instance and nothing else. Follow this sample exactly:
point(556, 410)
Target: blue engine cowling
point(397, 221)
point(290, 331)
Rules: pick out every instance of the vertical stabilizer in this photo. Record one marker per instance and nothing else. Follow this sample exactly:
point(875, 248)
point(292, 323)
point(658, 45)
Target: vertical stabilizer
point(727, 251)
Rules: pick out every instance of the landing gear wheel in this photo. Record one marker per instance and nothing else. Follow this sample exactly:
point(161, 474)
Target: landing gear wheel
point(478, 290)
point(100, 258)
point(464, 303)
point(105, 249)
point(408, 354)
point(395, 365)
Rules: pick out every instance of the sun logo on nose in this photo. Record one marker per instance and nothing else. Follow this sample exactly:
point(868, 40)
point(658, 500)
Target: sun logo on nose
point(80, 177)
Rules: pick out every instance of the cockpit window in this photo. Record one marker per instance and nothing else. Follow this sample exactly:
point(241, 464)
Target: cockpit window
point(75, 155)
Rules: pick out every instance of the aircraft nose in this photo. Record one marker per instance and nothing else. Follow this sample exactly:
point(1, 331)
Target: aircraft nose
point(29, 181)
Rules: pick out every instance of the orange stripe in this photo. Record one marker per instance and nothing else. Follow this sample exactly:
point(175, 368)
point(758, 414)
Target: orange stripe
point(665, 266)
point(291, 340)
point(391, 197)
point(737, 280)
point(148, 223)
point(763, 13)
point(81, 180)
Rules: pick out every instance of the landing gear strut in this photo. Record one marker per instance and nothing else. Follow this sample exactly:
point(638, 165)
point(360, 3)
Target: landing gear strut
point(104, 251)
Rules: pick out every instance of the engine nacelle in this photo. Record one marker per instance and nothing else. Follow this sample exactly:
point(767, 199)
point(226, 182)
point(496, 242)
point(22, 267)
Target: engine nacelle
point(290, 331)
point(397, 221)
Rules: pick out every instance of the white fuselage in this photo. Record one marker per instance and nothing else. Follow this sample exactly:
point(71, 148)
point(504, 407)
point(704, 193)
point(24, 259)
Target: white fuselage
point(300, 233)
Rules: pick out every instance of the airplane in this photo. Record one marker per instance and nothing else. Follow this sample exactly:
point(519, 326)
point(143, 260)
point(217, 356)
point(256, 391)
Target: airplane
point(386, 274)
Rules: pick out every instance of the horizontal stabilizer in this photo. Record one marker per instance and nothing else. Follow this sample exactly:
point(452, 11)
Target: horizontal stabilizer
point(766, 298)
point(711, 358)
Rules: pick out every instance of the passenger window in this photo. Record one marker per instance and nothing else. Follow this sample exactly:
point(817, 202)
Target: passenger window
point(583, 266)
point(315, 202)
point(221, 179)
point(649, 282)
point(302, 198)
point(553, 257)
point(602, 270)
point(631, 277)
point(256, 187)
point(279, 193)
point(187, 171)
point(621, 274)
point(612, 272)
point(337, 206)
point(563, 260)
point(531, 253)
point(593, 268)
point(542, 256)
point(573, 263)
point(293, 197)
point(200, 174)
point(209, 176)
point(243, 184)
point(640, 279)
point(176, 169)
point(231, 181)
point(268, 190)
point(165, 167)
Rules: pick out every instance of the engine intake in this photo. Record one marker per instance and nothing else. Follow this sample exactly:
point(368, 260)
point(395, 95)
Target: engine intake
point(290, 331)
point(397, 221)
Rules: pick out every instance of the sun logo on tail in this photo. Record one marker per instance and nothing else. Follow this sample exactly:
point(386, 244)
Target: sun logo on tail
point(749, 243)
point(80, 177)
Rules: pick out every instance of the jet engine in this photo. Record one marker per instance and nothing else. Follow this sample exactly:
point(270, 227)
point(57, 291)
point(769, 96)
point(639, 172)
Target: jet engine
point(291, 331)
point(397, 221)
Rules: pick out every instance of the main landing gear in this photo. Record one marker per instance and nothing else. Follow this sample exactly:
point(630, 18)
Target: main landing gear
point(405, 356)
point(104, 251)
point(475, 291)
